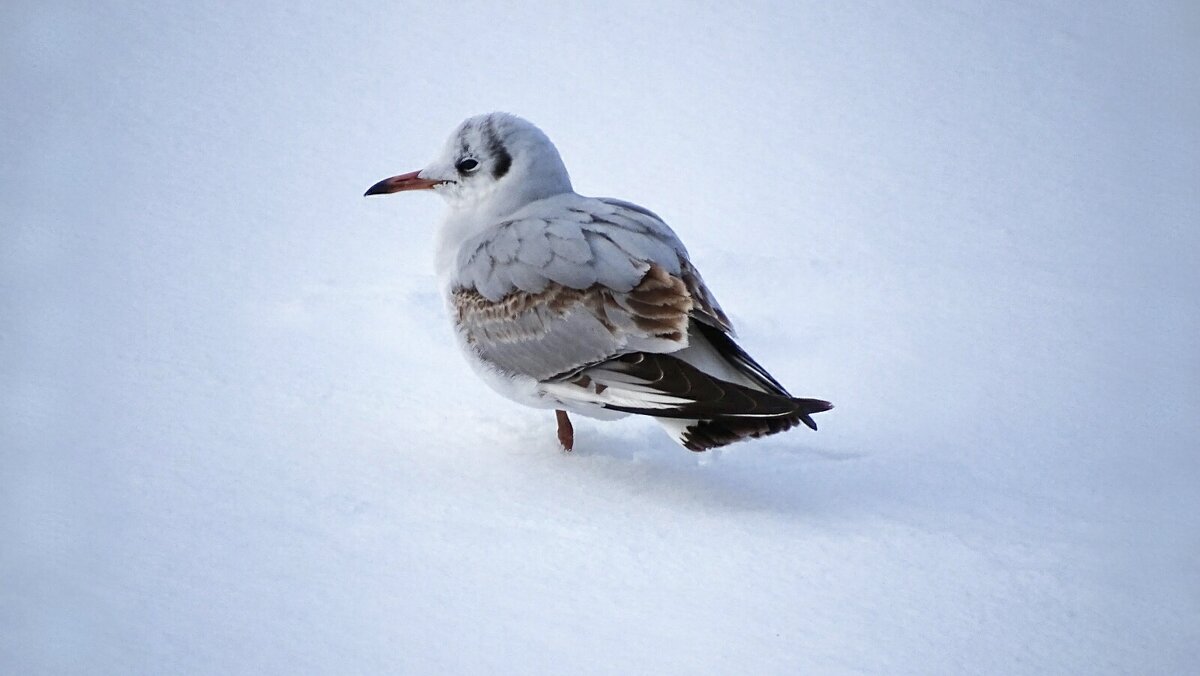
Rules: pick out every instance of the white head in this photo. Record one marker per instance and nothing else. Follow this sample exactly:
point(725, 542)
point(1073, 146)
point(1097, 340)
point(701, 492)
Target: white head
point(495, 162)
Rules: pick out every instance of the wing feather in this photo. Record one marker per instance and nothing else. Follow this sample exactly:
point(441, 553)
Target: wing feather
point(571, 240)
point(561, 329)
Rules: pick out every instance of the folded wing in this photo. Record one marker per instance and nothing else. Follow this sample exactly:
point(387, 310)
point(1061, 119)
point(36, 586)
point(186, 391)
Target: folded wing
point(596, 300)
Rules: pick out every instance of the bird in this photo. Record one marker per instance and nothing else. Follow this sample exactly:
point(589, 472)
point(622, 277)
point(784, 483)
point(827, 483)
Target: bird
point(585, 305)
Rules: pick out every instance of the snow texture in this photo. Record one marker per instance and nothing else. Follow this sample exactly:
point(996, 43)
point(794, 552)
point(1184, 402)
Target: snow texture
point(236, 437)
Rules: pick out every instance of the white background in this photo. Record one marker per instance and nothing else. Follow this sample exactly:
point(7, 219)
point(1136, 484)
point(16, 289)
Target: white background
point(236, 436)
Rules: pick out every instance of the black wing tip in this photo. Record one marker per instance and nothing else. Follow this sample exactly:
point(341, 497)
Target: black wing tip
point(808, 421)
point(806, 407)
point(721, 431)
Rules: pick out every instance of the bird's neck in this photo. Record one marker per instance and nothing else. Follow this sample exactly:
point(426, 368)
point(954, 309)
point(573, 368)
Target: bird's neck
point(459, 226)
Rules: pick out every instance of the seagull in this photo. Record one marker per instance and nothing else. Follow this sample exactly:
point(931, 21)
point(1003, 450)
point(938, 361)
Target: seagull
point(585, 305)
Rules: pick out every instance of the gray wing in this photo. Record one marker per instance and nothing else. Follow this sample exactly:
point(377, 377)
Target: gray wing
point(568, 240)
point(573, 281)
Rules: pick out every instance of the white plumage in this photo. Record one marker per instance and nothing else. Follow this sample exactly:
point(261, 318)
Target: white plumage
point(583, 304)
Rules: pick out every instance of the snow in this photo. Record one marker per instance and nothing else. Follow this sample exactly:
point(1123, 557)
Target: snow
point(236, 438)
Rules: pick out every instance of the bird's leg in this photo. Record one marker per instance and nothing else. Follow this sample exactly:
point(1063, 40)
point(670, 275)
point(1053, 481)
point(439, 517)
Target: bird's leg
point(566, 433)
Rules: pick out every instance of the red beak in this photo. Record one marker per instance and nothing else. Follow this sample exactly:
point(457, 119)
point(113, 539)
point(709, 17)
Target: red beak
point(399, 183)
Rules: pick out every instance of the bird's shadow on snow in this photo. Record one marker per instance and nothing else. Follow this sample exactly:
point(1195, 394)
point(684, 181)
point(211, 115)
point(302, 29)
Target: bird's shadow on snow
point(787, 474)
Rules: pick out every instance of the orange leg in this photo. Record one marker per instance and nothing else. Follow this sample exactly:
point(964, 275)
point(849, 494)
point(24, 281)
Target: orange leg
point(566, 433)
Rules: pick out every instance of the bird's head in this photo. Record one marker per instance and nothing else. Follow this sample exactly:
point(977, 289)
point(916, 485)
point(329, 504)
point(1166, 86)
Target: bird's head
point(498, 160)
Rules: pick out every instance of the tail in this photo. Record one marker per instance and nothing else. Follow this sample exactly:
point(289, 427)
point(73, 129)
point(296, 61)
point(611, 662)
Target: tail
point(703, 434)
point(708, 394)
point(731, 363)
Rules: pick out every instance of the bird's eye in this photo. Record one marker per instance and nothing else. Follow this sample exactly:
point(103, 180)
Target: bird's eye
point(468, 165)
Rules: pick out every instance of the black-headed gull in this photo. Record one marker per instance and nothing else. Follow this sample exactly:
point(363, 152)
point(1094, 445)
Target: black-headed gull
point(583, 304)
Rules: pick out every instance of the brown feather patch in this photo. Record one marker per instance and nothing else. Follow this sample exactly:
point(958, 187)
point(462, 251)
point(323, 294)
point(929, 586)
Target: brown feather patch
point(658, 305)
point(706, 308)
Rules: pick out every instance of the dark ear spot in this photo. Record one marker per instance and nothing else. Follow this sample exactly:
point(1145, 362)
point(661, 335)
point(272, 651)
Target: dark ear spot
point(502, 161)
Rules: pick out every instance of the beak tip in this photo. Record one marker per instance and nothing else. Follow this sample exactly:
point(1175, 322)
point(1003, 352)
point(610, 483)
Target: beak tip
point(409, 181)
point(380, 188)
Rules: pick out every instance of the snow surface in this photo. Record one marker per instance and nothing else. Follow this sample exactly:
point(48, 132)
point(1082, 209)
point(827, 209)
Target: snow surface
point(236, 437)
